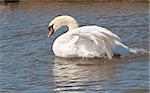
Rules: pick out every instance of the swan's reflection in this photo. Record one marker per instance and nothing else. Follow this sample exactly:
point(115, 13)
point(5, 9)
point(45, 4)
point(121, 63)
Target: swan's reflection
point(78, 75)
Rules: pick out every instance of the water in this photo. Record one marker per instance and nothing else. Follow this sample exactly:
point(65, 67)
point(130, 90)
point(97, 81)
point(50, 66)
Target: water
point(28, 65)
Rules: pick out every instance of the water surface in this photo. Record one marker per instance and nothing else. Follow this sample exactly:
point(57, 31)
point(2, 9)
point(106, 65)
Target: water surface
point(28, 65)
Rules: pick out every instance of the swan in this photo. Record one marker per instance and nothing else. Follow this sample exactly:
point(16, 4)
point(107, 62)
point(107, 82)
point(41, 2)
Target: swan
point(86, 41)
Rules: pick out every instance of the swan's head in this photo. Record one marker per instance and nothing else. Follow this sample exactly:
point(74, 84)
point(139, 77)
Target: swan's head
point(59, 21)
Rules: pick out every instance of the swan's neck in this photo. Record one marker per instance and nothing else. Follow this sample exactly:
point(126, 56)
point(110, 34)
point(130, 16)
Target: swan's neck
point(72, 25)
point(64, 21)
point(69, 21)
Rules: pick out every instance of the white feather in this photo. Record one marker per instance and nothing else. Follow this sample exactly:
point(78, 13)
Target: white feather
point(87, 41)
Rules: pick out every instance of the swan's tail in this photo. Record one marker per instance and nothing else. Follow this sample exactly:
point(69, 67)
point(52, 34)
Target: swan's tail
point(122, 50)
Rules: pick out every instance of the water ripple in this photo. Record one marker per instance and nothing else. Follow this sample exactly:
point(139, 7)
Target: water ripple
point(28, 65)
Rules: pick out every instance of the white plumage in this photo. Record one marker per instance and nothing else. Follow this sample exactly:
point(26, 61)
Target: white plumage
point(86, 41)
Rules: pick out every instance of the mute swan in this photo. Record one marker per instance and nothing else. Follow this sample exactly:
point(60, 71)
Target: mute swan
point(85, 41)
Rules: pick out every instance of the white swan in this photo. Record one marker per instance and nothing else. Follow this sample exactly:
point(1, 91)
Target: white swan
point(85, 41)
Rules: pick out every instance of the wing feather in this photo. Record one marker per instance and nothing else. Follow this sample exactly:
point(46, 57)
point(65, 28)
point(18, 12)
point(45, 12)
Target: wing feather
point(100, 39)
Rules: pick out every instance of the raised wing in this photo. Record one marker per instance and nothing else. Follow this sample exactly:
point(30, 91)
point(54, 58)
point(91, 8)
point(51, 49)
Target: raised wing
point(93, 40)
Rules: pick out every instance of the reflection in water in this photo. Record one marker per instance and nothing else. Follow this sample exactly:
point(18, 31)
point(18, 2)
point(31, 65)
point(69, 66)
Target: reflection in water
point(100, 75)
point(78, 74)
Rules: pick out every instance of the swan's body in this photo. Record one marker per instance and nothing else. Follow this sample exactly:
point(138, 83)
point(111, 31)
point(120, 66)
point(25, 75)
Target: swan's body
point(86, 41)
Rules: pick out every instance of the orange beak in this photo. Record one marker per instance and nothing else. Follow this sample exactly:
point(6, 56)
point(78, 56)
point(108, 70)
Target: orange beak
point(51, 31)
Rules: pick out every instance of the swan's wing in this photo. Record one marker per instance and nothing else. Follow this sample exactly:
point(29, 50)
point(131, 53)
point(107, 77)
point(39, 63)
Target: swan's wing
point(94, 45)
point(97, 31)
point(94, 40)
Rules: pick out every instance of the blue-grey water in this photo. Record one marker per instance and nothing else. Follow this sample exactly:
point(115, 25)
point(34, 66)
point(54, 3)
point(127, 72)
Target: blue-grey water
point(28, 65)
